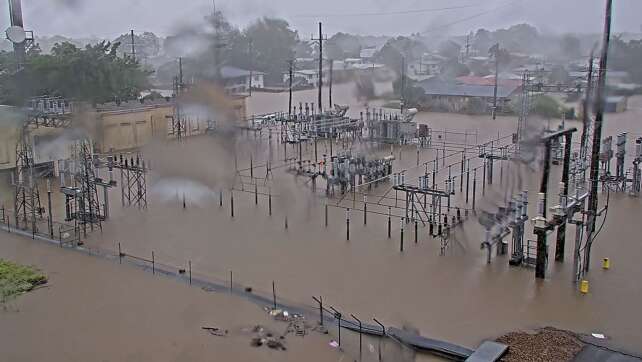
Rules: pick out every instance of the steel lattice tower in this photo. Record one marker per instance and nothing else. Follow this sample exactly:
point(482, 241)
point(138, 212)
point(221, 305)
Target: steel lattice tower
point(88, 205)
point(27, 197)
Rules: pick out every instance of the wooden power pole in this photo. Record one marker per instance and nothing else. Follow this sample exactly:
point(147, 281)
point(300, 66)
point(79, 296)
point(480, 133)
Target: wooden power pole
point(597, 136)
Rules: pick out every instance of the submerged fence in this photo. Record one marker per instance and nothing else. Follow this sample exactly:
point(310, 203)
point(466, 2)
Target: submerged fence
point(328, 318)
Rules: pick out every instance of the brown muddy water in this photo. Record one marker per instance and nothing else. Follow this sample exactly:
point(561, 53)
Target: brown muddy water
point(96, 310)
point(455, 297)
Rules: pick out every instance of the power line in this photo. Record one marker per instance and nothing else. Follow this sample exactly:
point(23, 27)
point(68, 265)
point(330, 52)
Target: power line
point(506, 4)
point(383, 13)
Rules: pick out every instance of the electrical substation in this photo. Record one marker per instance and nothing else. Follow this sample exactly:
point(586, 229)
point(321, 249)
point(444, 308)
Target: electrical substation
point(329, 172)
point(355, 164)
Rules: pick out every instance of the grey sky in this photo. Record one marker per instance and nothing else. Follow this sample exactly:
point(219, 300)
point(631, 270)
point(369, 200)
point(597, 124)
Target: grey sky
point(107, 18)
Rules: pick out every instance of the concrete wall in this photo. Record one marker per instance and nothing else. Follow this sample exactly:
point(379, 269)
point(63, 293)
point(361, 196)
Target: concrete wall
point(8, 140)
point(116, 129)
point(121, 130)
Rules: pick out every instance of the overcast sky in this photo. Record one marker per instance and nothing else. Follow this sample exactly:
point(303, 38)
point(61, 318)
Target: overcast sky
point(108, 18)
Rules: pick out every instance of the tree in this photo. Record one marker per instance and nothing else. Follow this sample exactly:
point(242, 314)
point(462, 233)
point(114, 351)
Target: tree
point(558, 75)
point(397, 48)
point(518, 38)
point(450, 49)
point(626, 57)
point(454, 69)
point(302, 50)
point(94, 74)
point(547, 107)
point(570, 46)
point(413, 95)
point(479, 68)
point(274, 44)
point(147, 45)
point(483, 40)
point(342, 45)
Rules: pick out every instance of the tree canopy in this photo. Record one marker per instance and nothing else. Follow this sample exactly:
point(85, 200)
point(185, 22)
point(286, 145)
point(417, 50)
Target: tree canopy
point(547, 107)
point(205, 51)
point(450, 49)
point(625, 56)
point(147, 45)
point(397, 48)
point(517, 38)
point(342, 46)
point(273, 45)
point(570, 46)
point(94, 74)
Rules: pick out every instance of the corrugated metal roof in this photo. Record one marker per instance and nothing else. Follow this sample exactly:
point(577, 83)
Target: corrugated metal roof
point(434, 87)
point(228, 72)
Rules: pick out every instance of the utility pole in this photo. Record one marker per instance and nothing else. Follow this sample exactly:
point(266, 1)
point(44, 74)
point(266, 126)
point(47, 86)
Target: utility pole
point(495, 50)
point(585, 116)
point(216, 40)
point(467, 45)
point(291, 62)
point(180, 73)
point(250, 62)
point(133, 44)
point(320, 40)
point(330, 104)
point(597, 136)
point(403, 84)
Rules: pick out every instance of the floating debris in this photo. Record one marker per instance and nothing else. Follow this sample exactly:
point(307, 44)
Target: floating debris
point(547, 344)
point(216, 331)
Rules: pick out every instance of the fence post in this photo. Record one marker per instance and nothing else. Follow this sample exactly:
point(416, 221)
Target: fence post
point(189, 262)
point(348, 224)
point(389, 222)
point(326, 215)
point(416, 230)
point(120, 254)
point(467, 179)
point(401, 240)
point(153, 264)
point(231, 282)
point(474, 186)
point(484, 177)
point(274, 294)
point(232, 203)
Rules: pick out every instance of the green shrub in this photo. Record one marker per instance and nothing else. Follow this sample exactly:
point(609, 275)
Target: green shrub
point(16, 279)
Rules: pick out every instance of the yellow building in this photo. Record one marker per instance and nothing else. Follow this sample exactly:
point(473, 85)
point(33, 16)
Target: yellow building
point(113, 127)
point(130, 125)
point(10, 120)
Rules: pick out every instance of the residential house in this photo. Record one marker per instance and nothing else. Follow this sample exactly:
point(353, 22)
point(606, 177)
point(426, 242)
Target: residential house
point(238, 81)
point(454, 96)
point(311, 76)
point(367, 55)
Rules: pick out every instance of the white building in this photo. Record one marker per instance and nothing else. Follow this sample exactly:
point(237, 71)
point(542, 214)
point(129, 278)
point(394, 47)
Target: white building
point(237, 80)
point(311, 76)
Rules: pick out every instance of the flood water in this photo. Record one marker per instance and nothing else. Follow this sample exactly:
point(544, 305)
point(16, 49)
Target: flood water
point(455, 297)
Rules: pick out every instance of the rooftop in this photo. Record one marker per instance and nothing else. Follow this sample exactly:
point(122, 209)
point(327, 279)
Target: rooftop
point(438, 87)
point(228, 72)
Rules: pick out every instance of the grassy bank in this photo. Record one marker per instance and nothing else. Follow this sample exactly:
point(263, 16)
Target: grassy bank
point(16, 279)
